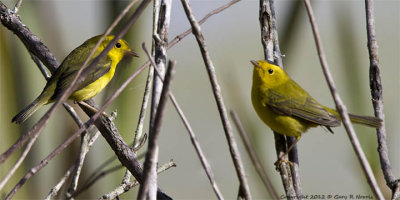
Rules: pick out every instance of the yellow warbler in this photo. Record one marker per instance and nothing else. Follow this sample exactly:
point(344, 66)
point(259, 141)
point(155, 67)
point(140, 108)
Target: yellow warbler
point(287, 108)
point(66, 72)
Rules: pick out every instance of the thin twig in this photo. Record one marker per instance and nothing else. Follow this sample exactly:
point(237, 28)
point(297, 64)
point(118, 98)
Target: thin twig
point(99, 170)
point(92, 181)
point(54, 191)
point(19, 162)
point(254, 157)
point(244, 187)
point(73, 167)
point(377, 99)
point(17, 6)
point(139, 138)
point(196, 144)
point(150, 77)
point(139, 129)
point(341, 108)
point(148, 188)
point(84, 149)
point(213, 12)
point(124, 187)
point(36, 60)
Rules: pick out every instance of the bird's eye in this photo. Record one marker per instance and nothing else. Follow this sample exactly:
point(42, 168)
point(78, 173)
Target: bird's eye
point(270, 71)
point(118, 45)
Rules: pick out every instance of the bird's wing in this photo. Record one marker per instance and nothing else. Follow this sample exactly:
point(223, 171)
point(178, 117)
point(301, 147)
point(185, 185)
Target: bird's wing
point(305, 108)
point(70, 72)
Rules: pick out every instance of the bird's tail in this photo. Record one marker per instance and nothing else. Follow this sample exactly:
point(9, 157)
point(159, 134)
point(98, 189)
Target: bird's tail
point(366, 120)
point(358, 119)
point(29, 110)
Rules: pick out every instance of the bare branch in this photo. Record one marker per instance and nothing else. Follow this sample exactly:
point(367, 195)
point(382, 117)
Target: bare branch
point(84, 149)
point(124, 187)
point(44, 162)
point(341, 108)
point(31, 41)
point(377, 100)
point(17, 6)
point(74, 167)
point(54, 191)
point(244, 187)
point(161, 20)
point(148, 188)
point(159, 50)
point(187, 32)
point(254, 157)
point(139, 129)
point(19, 162)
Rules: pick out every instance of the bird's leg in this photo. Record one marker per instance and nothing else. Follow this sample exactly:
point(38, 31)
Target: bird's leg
point(93, 109)
point(282, 158)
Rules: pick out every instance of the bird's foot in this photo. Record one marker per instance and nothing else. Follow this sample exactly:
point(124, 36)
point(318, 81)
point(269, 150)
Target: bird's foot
point(280, 161)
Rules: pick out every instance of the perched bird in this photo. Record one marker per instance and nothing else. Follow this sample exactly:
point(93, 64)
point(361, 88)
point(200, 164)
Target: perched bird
point(287, 108)
point(66, 72)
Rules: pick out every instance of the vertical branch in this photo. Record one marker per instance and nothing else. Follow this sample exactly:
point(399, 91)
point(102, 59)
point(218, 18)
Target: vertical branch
point(377, 100)
point(148, 189)
point(161, 17)
point(244, 187)
point(341, 108)
point(160, 42)
point(269, 39)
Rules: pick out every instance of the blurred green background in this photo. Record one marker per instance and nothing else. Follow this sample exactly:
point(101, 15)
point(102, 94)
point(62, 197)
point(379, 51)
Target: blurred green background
point(328, 164)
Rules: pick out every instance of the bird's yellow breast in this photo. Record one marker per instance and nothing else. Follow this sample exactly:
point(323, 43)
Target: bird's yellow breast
point(282, 124)
point(94, 88)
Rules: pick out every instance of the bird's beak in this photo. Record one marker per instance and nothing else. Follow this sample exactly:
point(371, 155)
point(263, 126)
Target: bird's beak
point(255, 63)
point(131, 53)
